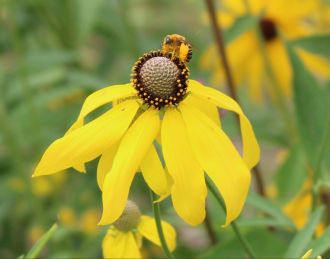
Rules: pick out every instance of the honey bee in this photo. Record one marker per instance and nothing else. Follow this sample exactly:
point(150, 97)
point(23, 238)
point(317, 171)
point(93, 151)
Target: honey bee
point(178, 45)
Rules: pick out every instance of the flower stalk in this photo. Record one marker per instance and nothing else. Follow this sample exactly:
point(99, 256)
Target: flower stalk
point(229, 79)
point(237, 231)
point(156, 210)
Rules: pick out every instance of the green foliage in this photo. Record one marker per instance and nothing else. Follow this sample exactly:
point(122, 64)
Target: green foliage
point(269, 208)
point(298, 246)
point(291, 175)
point(312, 108)
point(318, 44)
point(41, 242)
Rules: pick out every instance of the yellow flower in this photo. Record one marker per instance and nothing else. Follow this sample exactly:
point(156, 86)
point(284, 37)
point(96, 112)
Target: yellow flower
point(124, 237)
point(244, 53)
point(187, 127)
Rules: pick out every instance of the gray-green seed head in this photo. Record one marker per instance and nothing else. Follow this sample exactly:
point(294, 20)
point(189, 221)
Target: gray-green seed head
point(129, 219)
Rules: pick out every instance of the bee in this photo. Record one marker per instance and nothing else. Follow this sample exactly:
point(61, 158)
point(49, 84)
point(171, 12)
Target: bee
point(178, 45)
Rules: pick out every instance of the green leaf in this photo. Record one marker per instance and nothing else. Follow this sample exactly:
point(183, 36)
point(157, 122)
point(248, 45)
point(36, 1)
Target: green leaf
point(261, 222)
point(291, 175)
point(318, 44)
point(299, 243)
point(261, 240)
point(269, 208)
point(41, 242)
point(322, 244)
point(312, 107)
point(241, 25)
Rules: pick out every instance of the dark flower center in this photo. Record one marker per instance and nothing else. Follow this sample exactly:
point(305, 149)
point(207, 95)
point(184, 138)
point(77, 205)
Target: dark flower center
point(268, 29)
point(160, 80)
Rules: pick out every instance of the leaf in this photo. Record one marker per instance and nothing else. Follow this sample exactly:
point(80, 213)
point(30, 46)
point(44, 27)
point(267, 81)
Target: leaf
point(41, 242)
point(291, 175)
point(303, 237)
point(261, 222)
point(318, 44)
point(241, 25)
point(312, 107)
point(266, 245)
point(269, 208)
point(322, 244)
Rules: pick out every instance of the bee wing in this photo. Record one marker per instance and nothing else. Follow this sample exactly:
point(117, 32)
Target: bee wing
point(188, 43)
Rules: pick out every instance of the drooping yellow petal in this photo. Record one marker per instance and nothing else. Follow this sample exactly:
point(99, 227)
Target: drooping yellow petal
point(251, 151)
point(132, 149)
point(207, 108)
point(153, 171)
point(105, 164)
point(89, 141)
point(113, 244)
point(139, 239)
point(131, 248)
point(101, 97)
point(170, 183)
point(147, 227)
point(80, 168)
point(280, 65)
point(315, 63)
point(189, 189)
point(219, 158)
point(117, 244)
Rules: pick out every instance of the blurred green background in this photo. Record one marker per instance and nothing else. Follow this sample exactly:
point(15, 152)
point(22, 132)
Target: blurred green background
point(53, 54)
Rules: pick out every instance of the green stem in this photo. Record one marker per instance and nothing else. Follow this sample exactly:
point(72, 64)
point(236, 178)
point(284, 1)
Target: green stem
point(274, 82)
point(320, 156)
point(156, 210)
point(238, 233)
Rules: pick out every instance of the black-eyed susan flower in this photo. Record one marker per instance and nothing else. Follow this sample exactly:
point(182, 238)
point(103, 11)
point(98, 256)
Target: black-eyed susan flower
point(160, 103)
point(292, 19)
point(124, 237)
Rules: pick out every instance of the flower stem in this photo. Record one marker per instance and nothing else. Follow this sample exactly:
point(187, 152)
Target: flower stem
point(229, 79)
point(156, 210)
point(317, 168)
point(238, 233)
point(209, 229)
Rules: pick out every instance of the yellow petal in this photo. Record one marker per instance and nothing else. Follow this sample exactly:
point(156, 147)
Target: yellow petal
point(309, 252)
point(131, 248)
point(89, 141)
point(315, 63)
point(280, 64)
point(251, 151)
point(153, 171)
point(113, 244)
point(189, 189)
point(99, 98)
point(207, 108)
point(147, 227)
point(80, 168)
point(139, 239)
point(170, 183)
point(219, 158)
point(132, 149)
point(118, 244)
point(105, 164)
